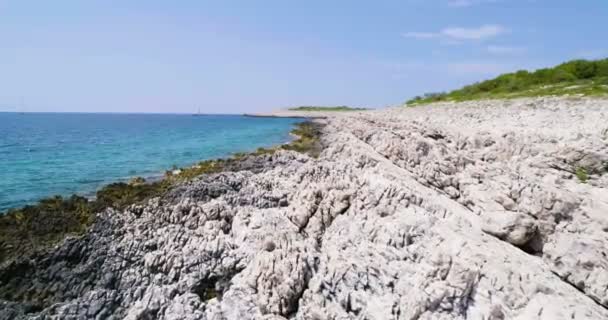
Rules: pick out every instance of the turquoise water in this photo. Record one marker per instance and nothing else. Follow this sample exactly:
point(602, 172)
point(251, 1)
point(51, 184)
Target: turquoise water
point(43, 154)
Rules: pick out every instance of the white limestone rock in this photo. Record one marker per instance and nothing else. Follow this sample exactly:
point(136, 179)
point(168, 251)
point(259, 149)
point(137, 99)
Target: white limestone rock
point(449, 211)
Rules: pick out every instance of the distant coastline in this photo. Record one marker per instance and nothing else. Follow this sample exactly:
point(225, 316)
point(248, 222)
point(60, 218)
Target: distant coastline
point(270, 115)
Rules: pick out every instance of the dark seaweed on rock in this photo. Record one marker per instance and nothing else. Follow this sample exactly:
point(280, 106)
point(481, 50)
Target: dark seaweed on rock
point(308, 139)
point(23, 230)
point(38, 227)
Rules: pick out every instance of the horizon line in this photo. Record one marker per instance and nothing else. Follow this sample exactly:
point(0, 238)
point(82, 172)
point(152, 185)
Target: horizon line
point(118, 112)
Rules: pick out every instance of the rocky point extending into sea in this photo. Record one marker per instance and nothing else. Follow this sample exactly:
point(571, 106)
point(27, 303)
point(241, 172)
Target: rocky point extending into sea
point(474, 210)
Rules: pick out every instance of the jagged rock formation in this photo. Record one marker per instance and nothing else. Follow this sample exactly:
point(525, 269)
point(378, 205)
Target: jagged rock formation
point(451, 211)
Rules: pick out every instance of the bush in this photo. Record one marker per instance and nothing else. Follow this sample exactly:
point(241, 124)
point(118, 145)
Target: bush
point(581, 174)
point(526, 83)
point(562, 76)
point(428, 97)
point(602, 68)
point(581, 69)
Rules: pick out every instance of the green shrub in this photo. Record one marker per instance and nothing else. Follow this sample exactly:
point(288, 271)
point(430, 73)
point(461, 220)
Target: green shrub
point(561, 76)
point(602, 68)
point(428, 97)
point(585, 75)
point(581, 69)
point(581, 174)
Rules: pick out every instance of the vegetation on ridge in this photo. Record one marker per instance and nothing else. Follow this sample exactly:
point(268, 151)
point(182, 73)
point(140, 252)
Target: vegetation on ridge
point(573, 77)
point(321, 108)
point(34, 227)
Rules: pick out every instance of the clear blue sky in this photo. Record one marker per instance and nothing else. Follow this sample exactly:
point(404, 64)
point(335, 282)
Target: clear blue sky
point(239, 56)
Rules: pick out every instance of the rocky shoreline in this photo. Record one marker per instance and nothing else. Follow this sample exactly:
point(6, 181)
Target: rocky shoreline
point(477, 210)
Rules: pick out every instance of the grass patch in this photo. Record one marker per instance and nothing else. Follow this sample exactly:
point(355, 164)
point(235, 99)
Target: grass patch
point(582, 174)
point(35, 227)
point(321, 108)
point(577, 77)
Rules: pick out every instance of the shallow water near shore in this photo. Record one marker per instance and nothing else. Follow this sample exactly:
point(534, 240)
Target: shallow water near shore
point(44, 154)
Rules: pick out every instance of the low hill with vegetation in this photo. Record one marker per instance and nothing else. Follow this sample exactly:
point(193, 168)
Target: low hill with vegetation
point(322, 108)
point(584, 77)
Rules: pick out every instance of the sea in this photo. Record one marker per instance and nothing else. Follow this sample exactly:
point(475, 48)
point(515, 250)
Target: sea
point(46, 154)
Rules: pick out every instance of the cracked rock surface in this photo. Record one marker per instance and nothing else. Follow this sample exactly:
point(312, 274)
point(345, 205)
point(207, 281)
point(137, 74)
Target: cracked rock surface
point(449, 211)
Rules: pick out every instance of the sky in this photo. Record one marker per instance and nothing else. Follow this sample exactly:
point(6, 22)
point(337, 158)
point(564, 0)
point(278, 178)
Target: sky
point(245, 56)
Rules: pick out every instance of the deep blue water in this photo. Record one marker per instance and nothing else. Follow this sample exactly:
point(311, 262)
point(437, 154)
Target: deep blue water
point(44, 154)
